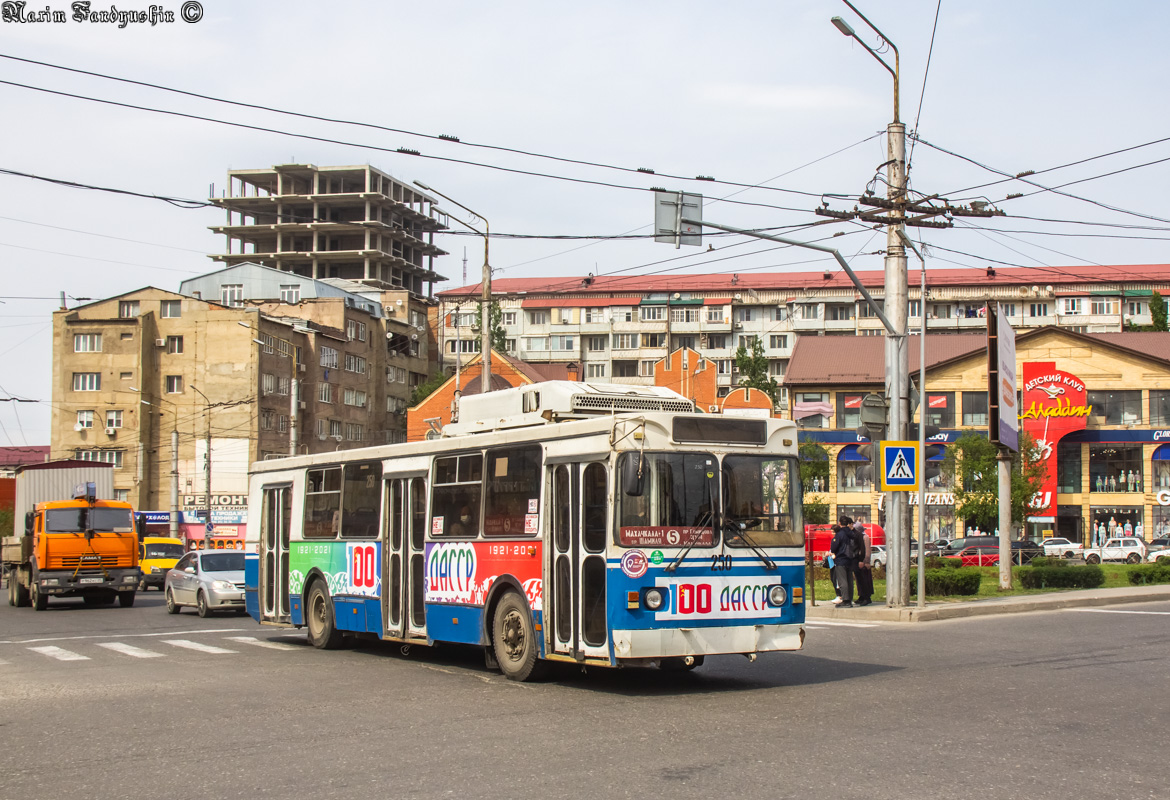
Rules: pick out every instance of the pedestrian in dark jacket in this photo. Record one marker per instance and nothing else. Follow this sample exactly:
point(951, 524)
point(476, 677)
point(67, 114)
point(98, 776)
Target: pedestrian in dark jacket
point(845, 561)
point(864, 572)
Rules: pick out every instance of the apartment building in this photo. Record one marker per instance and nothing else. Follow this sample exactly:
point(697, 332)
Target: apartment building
point(619, 327)
point(356, 223)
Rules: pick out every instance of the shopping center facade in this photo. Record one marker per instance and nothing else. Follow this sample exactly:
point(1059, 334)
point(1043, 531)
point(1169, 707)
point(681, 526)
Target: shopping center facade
point(1098, 404)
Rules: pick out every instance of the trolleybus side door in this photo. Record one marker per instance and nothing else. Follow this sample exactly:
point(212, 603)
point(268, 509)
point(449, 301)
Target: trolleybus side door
point(579, 515)
point(276, 523)
point(403, 540)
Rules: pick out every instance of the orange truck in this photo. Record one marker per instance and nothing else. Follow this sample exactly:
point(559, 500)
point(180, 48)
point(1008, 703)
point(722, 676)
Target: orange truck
point(80, 547)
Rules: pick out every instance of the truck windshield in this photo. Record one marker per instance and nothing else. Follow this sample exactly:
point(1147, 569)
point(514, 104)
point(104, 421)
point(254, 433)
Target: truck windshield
point(156, 550)
point(79, 520)
point(673, 509)
point(760, 492)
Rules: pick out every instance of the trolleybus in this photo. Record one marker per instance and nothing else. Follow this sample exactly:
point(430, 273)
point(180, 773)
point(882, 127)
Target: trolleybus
point(595, 524)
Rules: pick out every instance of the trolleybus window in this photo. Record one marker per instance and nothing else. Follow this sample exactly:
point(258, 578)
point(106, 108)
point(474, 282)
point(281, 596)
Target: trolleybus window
point(761, 492)
point(513, 491)
point(360, 499)
point(674, 507)
point(322, 503)
point(594, 491)
point(455, 495)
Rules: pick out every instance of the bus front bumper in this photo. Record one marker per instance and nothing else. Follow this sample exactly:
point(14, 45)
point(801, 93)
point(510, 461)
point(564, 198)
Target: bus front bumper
point(740, 639)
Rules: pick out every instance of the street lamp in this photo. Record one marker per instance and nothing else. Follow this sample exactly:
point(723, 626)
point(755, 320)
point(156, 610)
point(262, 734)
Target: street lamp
point(174, 514)
point(896, 306)
point(294, 404)
point(485, 333)
point(207, 465)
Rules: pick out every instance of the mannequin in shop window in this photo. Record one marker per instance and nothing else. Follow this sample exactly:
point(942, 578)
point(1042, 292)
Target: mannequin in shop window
point(1139, 531)
point(1112, 527)
point(1112, 483)
point(1100, 484)
point(1100, 533)
point(1128, 528)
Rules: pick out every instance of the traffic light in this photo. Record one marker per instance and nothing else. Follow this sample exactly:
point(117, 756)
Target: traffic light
point(932, 457)
point(869, 450)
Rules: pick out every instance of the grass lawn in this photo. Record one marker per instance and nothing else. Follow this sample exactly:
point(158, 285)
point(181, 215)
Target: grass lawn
point(1115, 575)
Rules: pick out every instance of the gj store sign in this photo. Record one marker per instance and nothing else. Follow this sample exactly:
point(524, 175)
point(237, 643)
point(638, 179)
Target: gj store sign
point(1054, 404)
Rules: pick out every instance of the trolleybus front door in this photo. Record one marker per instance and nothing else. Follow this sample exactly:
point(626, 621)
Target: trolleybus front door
point(274, 546)
point(579, 513)
point(403, 562)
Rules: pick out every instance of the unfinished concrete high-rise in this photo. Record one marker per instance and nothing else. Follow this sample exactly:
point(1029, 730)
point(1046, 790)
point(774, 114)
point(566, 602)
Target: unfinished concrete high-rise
point(356, 223)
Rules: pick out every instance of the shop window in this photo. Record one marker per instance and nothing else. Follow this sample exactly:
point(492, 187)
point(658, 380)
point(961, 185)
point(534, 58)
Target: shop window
point(1115, 468)
point(975, 409)
point(1116, 407)
point(940, 523)
point(854, 472)
point(1160, 467)
point(1068, 467)
point(848, 411)
point(855, 513)
point(940, 409)
point(1161, 522)
point(1159, 407)
point(813, 409)
point(1110, 521)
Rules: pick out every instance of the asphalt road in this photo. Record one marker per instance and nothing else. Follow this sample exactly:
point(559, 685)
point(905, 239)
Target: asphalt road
point(1045, 705)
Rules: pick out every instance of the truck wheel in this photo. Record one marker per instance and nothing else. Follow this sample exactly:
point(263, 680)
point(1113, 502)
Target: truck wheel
point(514, 640)
point(11, 591)
point(1133, 558)
point(39, 601)
point(323, 631)
point(201, 605)
point(126, 599)
point(1092, 558)
point(23, 599)
point(172, 606)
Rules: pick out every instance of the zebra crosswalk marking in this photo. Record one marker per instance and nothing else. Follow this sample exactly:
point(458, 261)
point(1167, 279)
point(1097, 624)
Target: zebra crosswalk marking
point(129, 650)
point(59, 653)
point(199, 646)
point(252, 640)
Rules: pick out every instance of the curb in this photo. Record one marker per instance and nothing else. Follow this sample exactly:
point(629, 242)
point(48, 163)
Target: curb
point(1084, 598)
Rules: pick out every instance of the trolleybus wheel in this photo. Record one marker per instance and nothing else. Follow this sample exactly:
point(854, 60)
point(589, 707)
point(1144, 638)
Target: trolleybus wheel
point(680, 663)
point(323, 631)
point(172, 606)
point(514, 640)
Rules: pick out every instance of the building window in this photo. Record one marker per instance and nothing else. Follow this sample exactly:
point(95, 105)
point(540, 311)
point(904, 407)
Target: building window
point(282, 423)
point(1115, 468)
point(355, 433)
point(335, 428)
point(232, 295)
point(536, 344)
point(777, 369)
point(625, 369)
point(654, 340)
point(114, 418)
point(594, 315)
point(283, 385)
point(509, 318)
point(355, 331)
point(267, 418)
point(175, 345)
point(510, 345)
point(625, 341)
point(101, 456)
point(940, 311)
point(171, 309)
point(85, 419)
point(325, 390)
point(1009, 309)
point(684, 315)
point(685, 341)
point(839, 313)
point(267, 384)
point(1135, 308)
point(1068, 468)
point(812, 409)
point(595, 343)
point(355, 397)
point(646, 369)
point(810, 311)
point(463, 345)
point(465, 320)
point(122, 495)
point(940, 409)
point(854, 474)
point(1072, 305)
point(595, 370)
point(1037, 309)
point(127, 309)
point(975, 409)
point(652, 313)
point(563, 342)
point(855, 513)
point(537, 317)
point(915, 308)
point(623, 314)
point(1159, 407)
point(328, 357)
point(1117, 408)
point(87, 343)
point(743, 314)
point(290, 293)
point(715, 313)
point(849, 411)
point(1103, 305)
point(717, 341)
point(126, 376)
point(174, 384)
point(355, 364)
point(779, 314)
point(747, 342)
point(322, 428)
point(723, 366)
point(778, 341)
point(87, 381)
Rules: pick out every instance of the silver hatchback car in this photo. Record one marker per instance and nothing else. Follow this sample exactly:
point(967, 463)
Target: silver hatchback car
point(210, 580)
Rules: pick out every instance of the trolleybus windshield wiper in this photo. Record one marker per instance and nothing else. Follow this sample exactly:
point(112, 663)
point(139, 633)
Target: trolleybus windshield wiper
point(740, 529)
point(704, 520)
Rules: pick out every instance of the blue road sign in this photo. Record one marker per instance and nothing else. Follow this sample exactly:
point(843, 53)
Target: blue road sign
point(899, 466)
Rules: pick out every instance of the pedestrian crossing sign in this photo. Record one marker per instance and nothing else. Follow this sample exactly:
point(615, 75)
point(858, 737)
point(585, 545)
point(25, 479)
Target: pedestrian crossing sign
point(899, 466)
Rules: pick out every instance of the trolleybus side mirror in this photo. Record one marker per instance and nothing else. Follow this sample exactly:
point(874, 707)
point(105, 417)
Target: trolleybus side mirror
point(633, 474)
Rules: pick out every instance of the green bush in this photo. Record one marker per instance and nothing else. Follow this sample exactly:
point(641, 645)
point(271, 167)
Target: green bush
point(938, 562)
point(1089, 576)
point(1048, 561)
point(1149, 573)
point(948, 581)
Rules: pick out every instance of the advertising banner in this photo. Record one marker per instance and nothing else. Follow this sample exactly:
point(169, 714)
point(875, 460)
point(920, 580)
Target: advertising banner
point(1054, 404)
point(1009, 420)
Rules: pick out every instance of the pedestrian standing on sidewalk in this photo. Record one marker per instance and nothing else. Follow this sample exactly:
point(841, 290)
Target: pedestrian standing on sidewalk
point(844, 549)
point(864, 571)
point(830, 565)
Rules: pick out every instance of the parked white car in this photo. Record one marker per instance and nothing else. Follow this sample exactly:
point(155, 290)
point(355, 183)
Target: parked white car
point(1062, 548)
point(1159, 556)
point(877, 555)
point(1129, 549)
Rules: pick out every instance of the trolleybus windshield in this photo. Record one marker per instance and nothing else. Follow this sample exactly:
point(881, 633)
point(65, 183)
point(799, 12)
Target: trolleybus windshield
point(673, 506)
point(760, 492)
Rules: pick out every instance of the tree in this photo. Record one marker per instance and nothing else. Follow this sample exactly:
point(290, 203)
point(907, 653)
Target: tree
point(427, 388)
point(814, 464)
point(971, 466)
point(753, 370)
point(496, 320)
point(1158, 312)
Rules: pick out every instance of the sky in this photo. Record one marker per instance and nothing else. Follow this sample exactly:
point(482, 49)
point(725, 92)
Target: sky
point(768, 95)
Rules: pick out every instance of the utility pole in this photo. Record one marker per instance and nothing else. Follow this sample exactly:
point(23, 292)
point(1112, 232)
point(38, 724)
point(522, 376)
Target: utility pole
point(174, 515)
point(206, 467)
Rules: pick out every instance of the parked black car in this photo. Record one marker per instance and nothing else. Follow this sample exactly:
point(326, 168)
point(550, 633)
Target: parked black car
point(1023, 551)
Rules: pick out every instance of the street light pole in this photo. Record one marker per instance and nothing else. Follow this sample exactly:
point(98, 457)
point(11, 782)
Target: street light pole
point(174, 513)
point(207, 466)
point(896, 303)
point(485, 332)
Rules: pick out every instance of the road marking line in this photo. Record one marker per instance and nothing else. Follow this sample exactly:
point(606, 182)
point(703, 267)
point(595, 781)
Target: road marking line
point(1117, 611)
point(129, 650)
point(3, 662)
point(814, 627)
point(849, 624)
point(252, 640)
point(124, 636)
point(59, 654)
point(202, 648)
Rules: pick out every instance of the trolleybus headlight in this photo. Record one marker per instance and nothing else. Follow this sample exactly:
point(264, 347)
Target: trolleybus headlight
point(654, 599)
point(777, 595)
